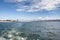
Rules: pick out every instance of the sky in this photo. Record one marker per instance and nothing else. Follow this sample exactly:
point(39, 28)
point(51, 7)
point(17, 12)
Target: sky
point(29, 9)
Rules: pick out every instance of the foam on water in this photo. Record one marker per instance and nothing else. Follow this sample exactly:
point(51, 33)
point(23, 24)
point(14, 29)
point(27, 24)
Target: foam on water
point(13, 34)
point(30, 31)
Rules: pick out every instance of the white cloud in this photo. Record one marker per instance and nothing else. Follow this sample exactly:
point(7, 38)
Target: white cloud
point(38, 18)
point(13, 0)
point(36, 5)
point(9, 1)
point(47, 18)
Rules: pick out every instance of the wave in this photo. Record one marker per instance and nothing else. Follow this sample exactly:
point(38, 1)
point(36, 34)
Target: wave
point(14, 34)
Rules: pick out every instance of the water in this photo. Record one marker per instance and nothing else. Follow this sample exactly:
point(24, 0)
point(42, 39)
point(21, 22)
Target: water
point(30, 30)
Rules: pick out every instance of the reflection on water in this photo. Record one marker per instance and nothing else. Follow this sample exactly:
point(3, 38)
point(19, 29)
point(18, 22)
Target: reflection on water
point(13, 34)
point(30, 31)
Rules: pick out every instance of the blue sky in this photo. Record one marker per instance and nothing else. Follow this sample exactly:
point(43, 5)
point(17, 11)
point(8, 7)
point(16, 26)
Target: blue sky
point(29, 9)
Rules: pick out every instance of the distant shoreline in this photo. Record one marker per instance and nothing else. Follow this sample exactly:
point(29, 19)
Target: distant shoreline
point(58, 20)
point(30, 21)
point(9, 21)
point(47, 20)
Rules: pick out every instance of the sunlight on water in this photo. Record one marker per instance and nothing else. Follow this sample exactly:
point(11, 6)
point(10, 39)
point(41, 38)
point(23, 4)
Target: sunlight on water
point(30, 31)
point(13, 34)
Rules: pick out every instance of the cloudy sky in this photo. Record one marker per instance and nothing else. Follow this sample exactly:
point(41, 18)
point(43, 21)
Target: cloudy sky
point(29, 9)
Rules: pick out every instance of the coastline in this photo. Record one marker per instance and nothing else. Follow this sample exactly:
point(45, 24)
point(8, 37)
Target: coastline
point(9, 21)
point(30, 21)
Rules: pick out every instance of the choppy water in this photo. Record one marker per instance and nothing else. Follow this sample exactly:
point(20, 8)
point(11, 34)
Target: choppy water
point(29, 30)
